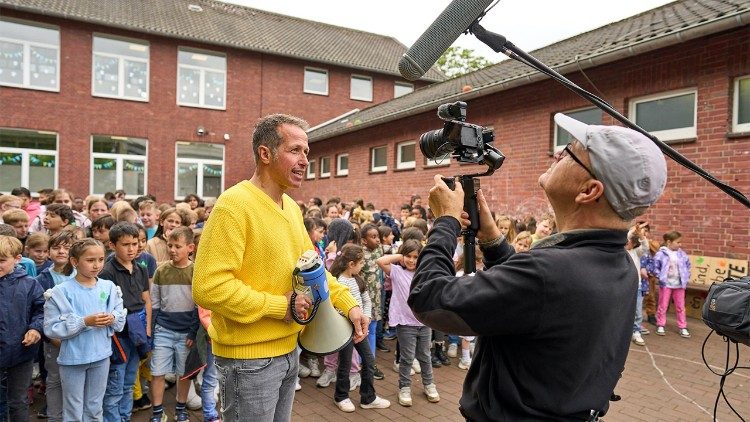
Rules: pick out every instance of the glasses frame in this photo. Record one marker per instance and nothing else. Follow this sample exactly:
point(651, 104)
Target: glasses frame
point(567, 151)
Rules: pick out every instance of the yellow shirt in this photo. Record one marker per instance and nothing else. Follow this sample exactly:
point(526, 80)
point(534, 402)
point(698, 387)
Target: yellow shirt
point(243, 268)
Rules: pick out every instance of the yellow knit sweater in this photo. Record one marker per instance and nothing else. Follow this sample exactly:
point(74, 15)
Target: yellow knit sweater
point(243, 268)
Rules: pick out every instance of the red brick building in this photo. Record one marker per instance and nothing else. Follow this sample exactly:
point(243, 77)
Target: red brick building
point(160, 97)
point(681, 71)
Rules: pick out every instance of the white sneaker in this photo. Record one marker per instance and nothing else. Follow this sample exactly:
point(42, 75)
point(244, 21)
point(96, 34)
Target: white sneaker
point(355, 380)
point(452, 350)
point(326, 378)
point(303, 371)
point(312, 363)
point(378, 403)
point(396, 370)
point(464, 364)
point(471, 346)
point(404, 396)
point(297, 386)
point(415, 366)
point(194, 401)
point(430, 390)
point(637, 339)
point(660, 331)
point(684, 333)
point(346, 405)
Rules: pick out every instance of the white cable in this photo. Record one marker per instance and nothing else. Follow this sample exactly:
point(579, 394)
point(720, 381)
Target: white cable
point(664, 378)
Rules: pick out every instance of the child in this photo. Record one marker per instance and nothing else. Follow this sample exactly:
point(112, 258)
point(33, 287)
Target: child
point(59, 247)
point(133, 281)
point(175, 322)
point(38, 250)
point(544, 228)
point(20, 222)
point(149, 217)
point(386, 240)
point(21, 321)
point(506, 226)
point(316, 230)
point(413, 337)
point(210, 381)
point(467, 342)
point(346, 268)
point(97, 207)
point(83, 313)
point(157, 246)
point(57, 217)
point(144, 259)
point(373, 279)
point(672, 267)
point(635, 250)
point(522, 242)
point(100, 231)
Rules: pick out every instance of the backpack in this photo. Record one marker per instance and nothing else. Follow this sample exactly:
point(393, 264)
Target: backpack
point(727, 309)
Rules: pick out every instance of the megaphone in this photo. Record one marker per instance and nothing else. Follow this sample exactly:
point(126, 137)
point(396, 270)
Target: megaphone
point(326, 331)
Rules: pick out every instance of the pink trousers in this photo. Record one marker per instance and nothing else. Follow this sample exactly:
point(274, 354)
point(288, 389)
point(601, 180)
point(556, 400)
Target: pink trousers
point(678, 297)
point(332, 362)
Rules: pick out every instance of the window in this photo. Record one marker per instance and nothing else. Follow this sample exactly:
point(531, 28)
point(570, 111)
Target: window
point(311, 169)
point(200, 169)
point(402, 88)
point(741, 115)
point(405, 158)
point(444, 160)
point(342, 165)
point(201, 79)
point(120, 69)
point(668, 116)
point(29, 56)
point(361, 88)
point(378, 161)
point(591, 116)
point(118, 162)
point(27, 158)
point(316, 81)
point(325, 166)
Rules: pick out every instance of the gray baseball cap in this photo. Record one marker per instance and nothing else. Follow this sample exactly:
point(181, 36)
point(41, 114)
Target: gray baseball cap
point(630, 165)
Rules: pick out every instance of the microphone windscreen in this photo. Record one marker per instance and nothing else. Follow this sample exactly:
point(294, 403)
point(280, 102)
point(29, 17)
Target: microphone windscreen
point(451, 23)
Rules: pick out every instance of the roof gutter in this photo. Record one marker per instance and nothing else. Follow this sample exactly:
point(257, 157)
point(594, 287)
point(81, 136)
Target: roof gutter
point(702, 29)
point(348, 113)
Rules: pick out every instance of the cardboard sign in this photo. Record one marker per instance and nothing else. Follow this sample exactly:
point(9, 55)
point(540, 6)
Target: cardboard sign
point(707, 269)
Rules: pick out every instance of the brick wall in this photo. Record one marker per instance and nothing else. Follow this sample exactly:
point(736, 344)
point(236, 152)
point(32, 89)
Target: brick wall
point(711, 222)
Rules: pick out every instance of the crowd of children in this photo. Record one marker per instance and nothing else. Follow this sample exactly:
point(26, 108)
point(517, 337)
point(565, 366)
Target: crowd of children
point(98, 293)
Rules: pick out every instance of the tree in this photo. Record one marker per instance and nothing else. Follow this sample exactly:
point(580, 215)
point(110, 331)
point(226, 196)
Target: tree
point(457, 61)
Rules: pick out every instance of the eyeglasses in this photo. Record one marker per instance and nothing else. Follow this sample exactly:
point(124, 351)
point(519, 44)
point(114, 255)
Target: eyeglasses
point(567, 151)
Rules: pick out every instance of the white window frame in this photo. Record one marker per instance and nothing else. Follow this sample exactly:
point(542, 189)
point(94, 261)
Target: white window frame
point(328, 173)
point(26, 84)
point(555, 146)
point(310, 169)
point(442, 162)
point(403, 165)
point(307, 90)
point(200, 162)
point(736, 126)
point(119, 166)
point(25, 152)
point(342, 171)
point(121, 68)
point(362, 78)
point(378, 169)
point(201, 79)
point(669, 134)
point(404, 85)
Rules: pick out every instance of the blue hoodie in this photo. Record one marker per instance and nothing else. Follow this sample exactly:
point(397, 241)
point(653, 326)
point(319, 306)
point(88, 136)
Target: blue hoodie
point(21, 309)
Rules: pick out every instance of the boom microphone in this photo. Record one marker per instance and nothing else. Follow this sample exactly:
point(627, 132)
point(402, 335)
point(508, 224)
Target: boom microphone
point(455, 19)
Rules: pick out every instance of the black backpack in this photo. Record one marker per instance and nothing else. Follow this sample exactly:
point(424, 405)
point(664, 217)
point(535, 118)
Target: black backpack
point(727, 309)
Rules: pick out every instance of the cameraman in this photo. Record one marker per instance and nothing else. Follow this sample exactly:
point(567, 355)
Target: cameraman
point(555, 322)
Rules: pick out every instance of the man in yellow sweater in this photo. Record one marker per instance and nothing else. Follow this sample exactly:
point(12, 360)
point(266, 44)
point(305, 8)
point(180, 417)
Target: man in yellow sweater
point(243, 272)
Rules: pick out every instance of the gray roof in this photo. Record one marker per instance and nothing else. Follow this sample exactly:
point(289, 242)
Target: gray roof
point(667, 25)
point(235, 26)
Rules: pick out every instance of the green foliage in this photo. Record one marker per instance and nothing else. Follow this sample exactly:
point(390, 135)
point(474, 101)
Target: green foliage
point(457, 61)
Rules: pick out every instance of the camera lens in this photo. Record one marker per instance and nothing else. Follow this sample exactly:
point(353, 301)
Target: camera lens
point(431, 142)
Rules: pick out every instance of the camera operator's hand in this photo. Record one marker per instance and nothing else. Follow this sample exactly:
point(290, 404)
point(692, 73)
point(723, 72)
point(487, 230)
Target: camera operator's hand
point(487, 228)
point(444, 201)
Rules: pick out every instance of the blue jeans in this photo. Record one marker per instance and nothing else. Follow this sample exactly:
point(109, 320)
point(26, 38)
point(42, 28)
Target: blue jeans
point(638, 312)
point(208, 386)
point(259, 390)
point(118, 399)
point(53, 393)
point(84, 390)
point(371, 335)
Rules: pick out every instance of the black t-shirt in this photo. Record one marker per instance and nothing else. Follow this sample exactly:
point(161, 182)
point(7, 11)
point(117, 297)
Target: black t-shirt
point(132, 284)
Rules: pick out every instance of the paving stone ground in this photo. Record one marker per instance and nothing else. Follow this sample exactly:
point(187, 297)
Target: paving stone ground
point(665, 380)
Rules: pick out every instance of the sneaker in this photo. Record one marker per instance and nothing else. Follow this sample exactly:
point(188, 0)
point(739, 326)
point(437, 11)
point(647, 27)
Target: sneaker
point(377, 373)
point(415, 366)
point(355, 380)
point(430, 390)
point(381, 346)
point(303, 371)
point(42, 413)
point(637, 339)
point(180, 415)
point(440, 353)
point(471, 347)
point(453, 350)
point(652, 320)
point(297, 386)
point(346, 405)
point(378, 403)
point(194, 401)
point(684, 333)
point(170, 380)
point(326, 378)
point(404, 396)
point(435, 360)
point(159, 418)
point(312, 363)
point(464, 364)
point(142, 404)
point(645, 331)
point(396, 369)
point(660, 331)
point(389, 335)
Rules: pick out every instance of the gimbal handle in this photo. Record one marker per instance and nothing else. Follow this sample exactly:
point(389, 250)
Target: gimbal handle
point(470, 184)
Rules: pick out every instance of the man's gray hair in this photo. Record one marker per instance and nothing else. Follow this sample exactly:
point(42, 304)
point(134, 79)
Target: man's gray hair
point(266, 131)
